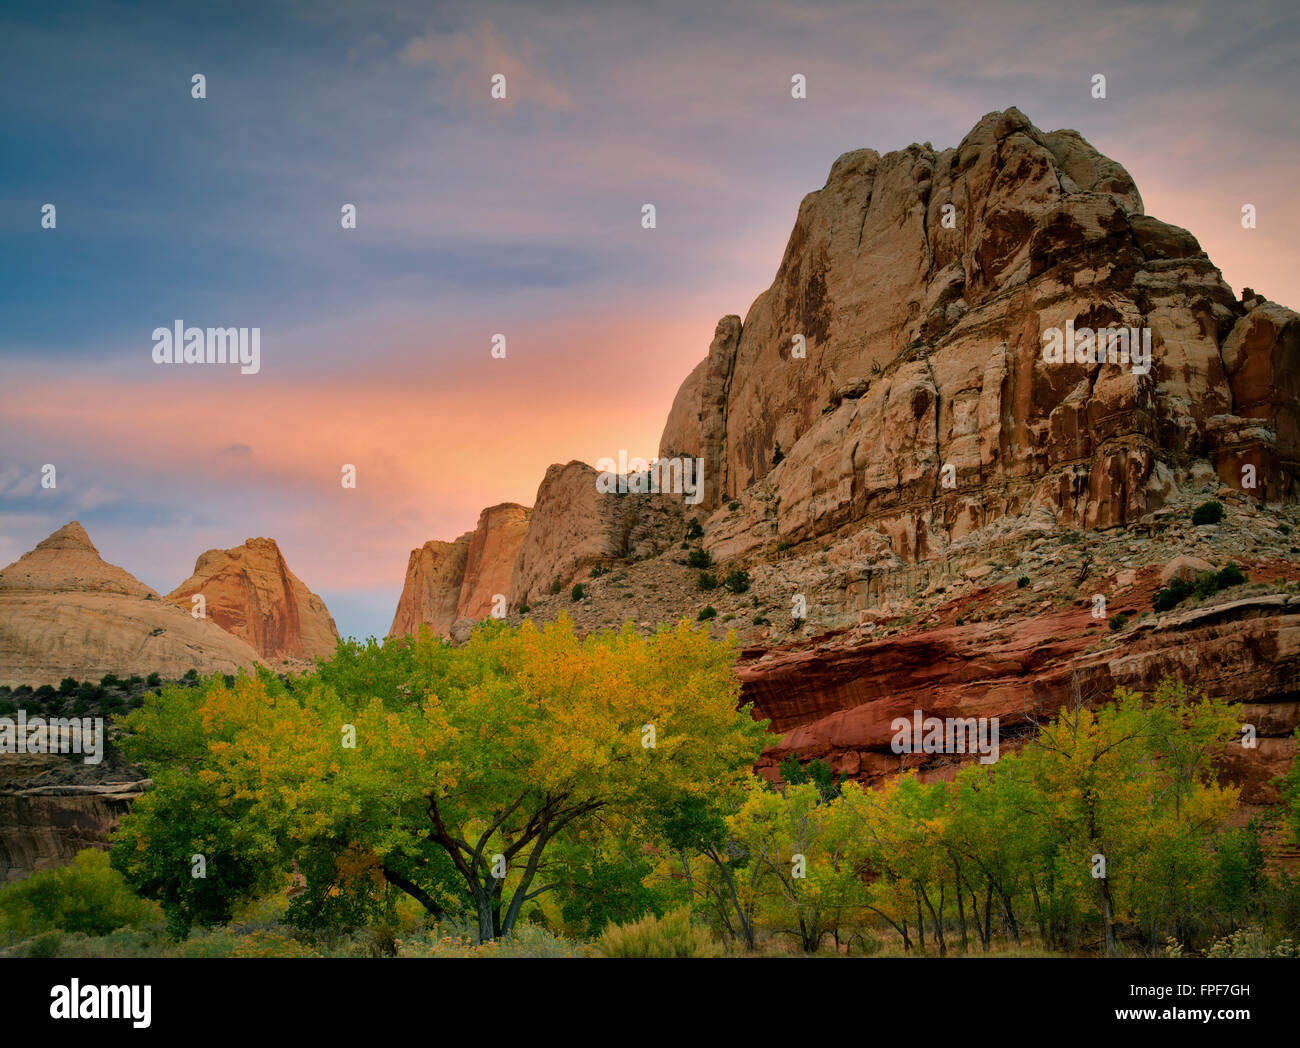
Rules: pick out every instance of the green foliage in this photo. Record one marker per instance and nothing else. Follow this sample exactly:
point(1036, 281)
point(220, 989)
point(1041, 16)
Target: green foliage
point(1208, 513)
point(461, 754)
point(672, 935)
point(1172, 595)
point(1022, 582)
point(153, 681)
point(1290, 786)
point(577, 593)
point(1207, 583)
point(524, 609)
point(816, 771)
point(698, 558)
point(778, 456)
point(737, 581)
point(1230, 576)
point(84, 896)
point(707, 612)
point(111, 680)
point(1118, 622)
point(707, 581)
point(733, 505)
point(68, 685)
point(694, 530)
point(555, 588)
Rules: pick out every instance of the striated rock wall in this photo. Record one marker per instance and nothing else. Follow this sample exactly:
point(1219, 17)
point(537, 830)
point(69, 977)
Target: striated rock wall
point(431, 593)
point(922, 282)
point(490, 560)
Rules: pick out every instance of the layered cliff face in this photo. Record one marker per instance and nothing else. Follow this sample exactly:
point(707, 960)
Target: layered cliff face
point(490, 560)
point(431, 593)
point(64, 612)
point(575, 527)
point(922, 284)
point(928, 505)
point(250, 592)
point(461, 582)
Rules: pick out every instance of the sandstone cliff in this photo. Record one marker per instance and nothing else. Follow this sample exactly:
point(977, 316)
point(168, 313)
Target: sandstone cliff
point(250, 592)
point(885, 446)
point(921, 283)
point(431, 594)
point(490, 559)
point(64, 612)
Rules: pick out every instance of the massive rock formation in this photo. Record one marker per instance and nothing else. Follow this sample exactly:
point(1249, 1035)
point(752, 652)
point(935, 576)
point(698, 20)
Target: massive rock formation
point(431, 593)
point(64, 612)
point(927, 506)
point(574, 527)
point(490, 559)
point(922, 283)
point(250, 592)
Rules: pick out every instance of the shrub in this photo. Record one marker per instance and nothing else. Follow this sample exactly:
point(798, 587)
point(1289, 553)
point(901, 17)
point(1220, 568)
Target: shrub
point(737, 581)
point(598, 571)
point(760, 620)
point(47, 945)
point(672, 935)
point(110, 680)
point(778, 456)
point(733, 505)
point(698, 558)
point(85, 896)
point(694, 530)
point(1208, 513)
point(524, 609)
point(1118, 622)
point(68, 685)
point(1172, 595)
point(153, 681)
point(556, 586)
point(577, 593)
point(707, 612)
point(1230, 576)
point(1022, 582)
point(707, 581)
point(191, 675)
point(1207, 583)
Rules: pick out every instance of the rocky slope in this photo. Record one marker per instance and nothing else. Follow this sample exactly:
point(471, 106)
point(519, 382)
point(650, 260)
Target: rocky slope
point(52, 806)
point(886, 443)
point(64, 612)
point(250, 592)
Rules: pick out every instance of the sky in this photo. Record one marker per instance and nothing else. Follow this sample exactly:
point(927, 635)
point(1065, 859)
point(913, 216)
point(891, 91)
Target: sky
point(479, 216)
